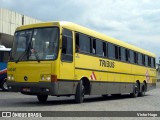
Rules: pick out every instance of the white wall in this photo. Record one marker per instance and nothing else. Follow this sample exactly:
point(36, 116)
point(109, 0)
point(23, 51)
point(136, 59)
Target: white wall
point(10, 20)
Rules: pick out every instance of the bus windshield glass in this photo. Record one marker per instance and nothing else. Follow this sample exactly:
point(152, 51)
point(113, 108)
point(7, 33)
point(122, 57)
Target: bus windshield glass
point(35, 44)
point(4, 56)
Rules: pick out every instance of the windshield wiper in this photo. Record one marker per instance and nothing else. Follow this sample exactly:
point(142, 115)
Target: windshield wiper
point(26, 51)
point(21, 56)
point(35, 54)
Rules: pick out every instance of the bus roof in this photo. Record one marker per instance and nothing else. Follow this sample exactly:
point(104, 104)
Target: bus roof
point(87, 31)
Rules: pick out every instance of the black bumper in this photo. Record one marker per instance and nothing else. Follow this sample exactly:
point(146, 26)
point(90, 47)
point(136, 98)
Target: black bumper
point(45, 88)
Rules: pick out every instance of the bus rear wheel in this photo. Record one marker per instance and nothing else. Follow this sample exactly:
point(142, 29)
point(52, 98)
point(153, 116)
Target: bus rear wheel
point(80, 91)
point(42, 98)
point(135, 90)
point(143, 90)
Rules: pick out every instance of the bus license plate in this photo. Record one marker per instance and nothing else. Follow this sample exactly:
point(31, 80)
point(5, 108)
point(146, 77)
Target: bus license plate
point(26, 90)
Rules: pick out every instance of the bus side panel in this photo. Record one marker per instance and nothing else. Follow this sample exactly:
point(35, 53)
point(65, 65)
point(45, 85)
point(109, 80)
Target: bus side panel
point(3, 71)
point(114, 86)
point(66, 87)
point(126, 83)
point(98, 88)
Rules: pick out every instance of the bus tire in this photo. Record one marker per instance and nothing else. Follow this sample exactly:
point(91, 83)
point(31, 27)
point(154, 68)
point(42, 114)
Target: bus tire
point(80, 91)
point(143, 90)
point(135, 90)
point(42, 98)
point(4, 85)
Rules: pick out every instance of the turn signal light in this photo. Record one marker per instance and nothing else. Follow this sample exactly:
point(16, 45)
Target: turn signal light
point(53, 78)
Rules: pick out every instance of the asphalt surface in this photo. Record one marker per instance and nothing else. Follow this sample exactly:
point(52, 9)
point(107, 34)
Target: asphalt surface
point(18, 102)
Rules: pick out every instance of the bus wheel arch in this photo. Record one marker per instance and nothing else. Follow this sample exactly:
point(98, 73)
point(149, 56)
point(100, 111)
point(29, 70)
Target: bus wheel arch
point(87, 85)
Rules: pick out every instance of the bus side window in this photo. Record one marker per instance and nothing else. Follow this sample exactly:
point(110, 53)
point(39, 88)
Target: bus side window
point(83, 43)
point(117, 52)
point(135, 57)
point(94, 46)
point(152, 62)
point(131, 56)
point(105, 46)
point(111, 51)
point(127, 55)
point(149, 61)
point(123, 54)
point(139, 58)
point(67, 46)
point(146, 60)
point(99, 48)
point(4, 56)
point(77, 43)
point(143, 60)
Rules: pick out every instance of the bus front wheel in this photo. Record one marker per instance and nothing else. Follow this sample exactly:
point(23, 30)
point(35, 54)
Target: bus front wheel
point(80, 91)
point(42, 98)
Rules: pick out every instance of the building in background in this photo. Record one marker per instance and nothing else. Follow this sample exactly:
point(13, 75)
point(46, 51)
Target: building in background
point(9, 21)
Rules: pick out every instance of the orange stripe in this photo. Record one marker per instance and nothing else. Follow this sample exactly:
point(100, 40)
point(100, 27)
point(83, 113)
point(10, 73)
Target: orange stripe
point(94, 75)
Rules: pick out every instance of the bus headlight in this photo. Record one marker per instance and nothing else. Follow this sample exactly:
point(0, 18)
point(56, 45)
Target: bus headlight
point(48, 78)
point(10, 77)
point(42, 77)
point(45, 77)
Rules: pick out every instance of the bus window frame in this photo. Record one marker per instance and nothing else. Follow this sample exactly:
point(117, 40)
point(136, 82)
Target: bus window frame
point(67, 37)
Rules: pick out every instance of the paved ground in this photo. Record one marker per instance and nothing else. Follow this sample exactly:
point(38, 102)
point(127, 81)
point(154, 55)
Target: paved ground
point(18, 102)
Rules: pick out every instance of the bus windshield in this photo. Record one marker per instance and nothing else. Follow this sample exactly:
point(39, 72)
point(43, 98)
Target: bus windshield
point(35, 44)
point(4, 56)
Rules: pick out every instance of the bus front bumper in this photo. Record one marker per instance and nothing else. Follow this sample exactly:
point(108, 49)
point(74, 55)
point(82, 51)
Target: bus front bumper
point(44, 88)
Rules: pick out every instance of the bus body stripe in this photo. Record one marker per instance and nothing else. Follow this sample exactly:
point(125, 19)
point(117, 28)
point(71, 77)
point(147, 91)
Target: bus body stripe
point(3, 71)
point(94, 76)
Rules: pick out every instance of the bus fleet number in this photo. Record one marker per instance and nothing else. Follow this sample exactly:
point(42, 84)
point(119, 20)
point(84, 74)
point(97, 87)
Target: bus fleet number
point(106, 63)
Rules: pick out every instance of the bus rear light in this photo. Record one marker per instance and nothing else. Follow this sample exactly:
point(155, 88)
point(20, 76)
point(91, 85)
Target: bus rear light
point(53, 78)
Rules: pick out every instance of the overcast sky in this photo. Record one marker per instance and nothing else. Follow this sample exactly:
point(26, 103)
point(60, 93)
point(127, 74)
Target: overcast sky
point(134, 21)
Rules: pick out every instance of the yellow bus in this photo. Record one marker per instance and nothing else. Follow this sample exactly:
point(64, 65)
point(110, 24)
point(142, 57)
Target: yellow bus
point(65, 59)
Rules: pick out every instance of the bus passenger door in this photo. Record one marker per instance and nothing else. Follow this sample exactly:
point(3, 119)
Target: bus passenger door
point(66, 64)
